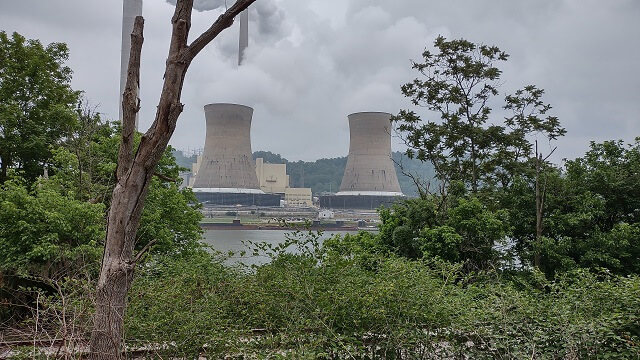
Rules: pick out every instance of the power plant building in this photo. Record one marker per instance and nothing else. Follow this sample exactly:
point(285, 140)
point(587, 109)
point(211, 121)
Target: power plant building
point(298, 197)
point(273, 178)
point(369, 179)
point(226, 174)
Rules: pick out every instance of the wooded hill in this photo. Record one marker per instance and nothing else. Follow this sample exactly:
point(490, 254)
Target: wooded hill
point(325, 175)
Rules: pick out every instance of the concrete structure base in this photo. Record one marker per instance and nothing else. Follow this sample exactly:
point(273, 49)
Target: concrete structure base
point(370, 202)
point(235, 199)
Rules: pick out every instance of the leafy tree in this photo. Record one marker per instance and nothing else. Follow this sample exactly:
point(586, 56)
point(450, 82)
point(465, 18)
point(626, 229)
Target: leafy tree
point(598, 222)
point(36, 103)
point(460, 79)
point(170, 221)
point(270, 157)
point(528, 119)
point(455, 228)
point(591, 212)
point(46, 231)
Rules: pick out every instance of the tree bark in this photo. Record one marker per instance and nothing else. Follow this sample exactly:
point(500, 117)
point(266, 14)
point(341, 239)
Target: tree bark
point(134, 171)
point(539, 204)
point(4, 164)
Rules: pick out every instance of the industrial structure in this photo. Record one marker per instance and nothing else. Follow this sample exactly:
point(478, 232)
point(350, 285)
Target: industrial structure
point(130, 10)
point(272, 178)
point(369, 179)
point(226, 174)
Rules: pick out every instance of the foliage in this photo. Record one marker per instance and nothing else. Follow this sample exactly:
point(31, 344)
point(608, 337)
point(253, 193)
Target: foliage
point(45, 231)
point(457, 228)
point(458, 84)
point(591, 212)
point(460, 79)
point(59, 321)
point(269, 157)
point(350, 299)
point(36, 103)
point(182, 160)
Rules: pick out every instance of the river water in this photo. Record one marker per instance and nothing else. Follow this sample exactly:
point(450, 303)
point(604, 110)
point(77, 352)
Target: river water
point(237, 241)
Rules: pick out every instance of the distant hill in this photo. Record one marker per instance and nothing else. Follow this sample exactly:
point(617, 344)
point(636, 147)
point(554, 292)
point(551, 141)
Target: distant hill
point(325, 175)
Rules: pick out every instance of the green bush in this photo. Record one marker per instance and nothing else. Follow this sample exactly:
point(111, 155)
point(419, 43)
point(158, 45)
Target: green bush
point(349, 298)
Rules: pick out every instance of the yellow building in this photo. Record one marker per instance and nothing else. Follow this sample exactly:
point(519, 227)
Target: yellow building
point(273, 178)
point(298, 197)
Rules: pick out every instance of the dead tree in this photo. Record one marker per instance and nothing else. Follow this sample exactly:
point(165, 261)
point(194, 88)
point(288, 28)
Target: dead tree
point(135, 170)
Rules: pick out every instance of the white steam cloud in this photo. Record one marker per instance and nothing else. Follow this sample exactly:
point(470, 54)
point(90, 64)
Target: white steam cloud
point(205, 5)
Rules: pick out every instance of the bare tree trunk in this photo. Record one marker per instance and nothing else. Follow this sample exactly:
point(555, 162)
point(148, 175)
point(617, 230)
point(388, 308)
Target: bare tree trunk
point(541, 192)
point(536, 256)
point(4, 165)
point(134, 171)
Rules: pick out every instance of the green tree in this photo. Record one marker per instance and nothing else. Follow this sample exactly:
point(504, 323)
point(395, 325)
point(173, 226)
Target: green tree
point(45, 231)
point(459, 81)
point(519, 153)
point(36, 103)
point(456, 228)
point(591, 212)
point(599, 222)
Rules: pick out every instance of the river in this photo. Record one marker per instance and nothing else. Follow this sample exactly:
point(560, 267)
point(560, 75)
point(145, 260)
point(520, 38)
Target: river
point(236, 241)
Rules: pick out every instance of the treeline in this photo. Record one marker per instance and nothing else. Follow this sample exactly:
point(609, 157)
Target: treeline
point(325, 175)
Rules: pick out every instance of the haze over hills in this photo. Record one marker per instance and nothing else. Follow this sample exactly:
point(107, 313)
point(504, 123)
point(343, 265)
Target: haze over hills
point(325, 175)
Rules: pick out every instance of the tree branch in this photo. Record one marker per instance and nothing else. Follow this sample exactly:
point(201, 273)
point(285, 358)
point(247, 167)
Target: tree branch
point(165, 177)
point(144, 250)
point(224, 21)
point(130, 100)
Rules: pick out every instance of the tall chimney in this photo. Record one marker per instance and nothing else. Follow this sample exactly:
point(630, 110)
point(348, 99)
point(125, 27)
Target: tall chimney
point(130, 9)
point(244, 35)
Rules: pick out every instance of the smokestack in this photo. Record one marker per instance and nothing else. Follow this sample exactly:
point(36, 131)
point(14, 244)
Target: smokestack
point(130, 9)
point(227, 163)
point(244, 35)
point(369, 169)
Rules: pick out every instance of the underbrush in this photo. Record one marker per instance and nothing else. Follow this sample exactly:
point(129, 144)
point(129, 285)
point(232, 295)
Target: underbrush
point(349, 299)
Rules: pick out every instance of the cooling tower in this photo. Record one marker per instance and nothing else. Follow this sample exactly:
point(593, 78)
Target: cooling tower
point(227, 174)
point(369, 179)
point(227, 162)
point(130, 9)
point(369, 169)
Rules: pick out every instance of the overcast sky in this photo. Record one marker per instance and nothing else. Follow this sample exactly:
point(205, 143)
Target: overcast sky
point(310, 63)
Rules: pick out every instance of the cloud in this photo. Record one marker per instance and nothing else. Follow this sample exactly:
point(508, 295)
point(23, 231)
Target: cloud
point(311, 63)
point(204, 5)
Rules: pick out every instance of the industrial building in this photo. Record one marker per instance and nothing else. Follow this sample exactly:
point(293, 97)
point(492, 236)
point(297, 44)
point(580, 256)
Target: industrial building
point(369, 179)
point(226, 174)
point(273, 178)
point(298, 197)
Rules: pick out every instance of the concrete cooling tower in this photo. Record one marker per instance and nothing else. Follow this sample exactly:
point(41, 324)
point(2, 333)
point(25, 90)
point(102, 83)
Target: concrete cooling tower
point(369, 178)
point(227, 174)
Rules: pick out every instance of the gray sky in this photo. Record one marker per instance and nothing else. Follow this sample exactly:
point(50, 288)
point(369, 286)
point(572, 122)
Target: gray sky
point(310, 63)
